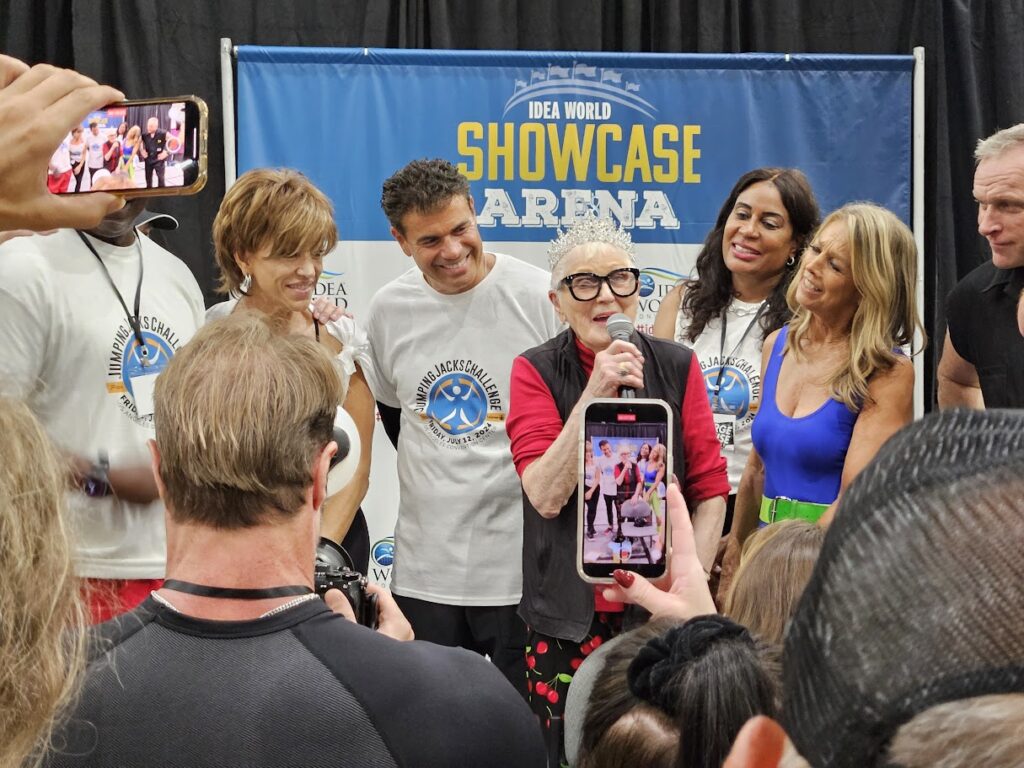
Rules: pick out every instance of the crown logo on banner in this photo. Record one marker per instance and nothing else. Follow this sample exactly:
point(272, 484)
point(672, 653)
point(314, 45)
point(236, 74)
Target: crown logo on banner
point(580, 81)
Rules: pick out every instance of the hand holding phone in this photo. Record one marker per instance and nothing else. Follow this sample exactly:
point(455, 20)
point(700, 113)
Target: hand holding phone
point(160, 146)
point(637, 535)
point(687, 594)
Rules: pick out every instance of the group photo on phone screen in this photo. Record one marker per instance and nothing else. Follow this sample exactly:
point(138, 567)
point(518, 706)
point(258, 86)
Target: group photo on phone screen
point(625, 469)
point(139, 146)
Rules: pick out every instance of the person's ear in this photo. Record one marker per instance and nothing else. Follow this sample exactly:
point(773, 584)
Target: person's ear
point(154, 463)
point(402, 242)
point(760, 743)
point(242, 261)
point(321, 467)
point(555, 300)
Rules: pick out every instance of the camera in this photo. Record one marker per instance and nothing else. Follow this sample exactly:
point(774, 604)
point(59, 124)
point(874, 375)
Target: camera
point(333, 570)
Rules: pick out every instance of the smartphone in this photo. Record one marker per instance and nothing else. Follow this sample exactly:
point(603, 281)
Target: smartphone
point(625, 466)
point(148, 147)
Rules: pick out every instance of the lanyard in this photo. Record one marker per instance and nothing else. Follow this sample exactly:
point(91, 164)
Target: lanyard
point(203, 590)
point(721, 347)
point(133, 320)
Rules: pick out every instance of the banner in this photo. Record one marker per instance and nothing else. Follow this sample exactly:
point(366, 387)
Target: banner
point(654, 140)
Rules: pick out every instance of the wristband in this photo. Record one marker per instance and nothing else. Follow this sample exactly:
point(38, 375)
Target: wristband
point(96, 484)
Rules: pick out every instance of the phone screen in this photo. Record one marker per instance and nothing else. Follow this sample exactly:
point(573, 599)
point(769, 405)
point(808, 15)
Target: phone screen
point(151, 145)
point(626, 461)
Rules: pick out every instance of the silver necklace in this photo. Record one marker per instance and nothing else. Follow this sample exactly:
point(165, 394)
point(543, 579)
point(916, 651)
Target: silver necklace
point(272, 612)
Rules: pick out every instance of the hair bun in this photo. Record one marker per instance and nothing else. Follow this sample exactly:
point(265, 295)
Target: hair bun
point(657, 664)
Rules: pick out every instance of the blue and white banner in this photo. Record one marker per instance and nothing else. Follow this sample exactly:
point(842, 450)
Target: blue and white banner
point(654, 140)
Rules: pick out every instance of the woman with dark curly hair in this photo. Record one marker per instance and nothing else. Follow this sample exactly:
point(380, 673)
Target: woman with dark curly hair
point(739, 297)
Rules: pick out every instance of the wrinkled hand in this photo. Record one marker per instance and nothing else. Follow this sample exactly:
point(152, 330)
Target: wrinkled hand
point(688, 594)
point(325, 310)
point(38, 107)
point(620, 365)
point(390, 619)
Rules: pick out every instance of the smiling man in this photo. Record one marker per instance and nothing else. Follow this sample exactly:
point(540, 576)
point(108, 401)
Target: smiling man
point(982, 362)
point(443, 336)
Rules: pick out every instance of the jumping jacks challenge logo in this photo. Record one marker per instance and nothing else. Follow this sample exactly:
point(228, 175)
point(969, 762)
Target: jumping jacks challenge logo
point(458, 402)
point(129, 361)
point(736, 384)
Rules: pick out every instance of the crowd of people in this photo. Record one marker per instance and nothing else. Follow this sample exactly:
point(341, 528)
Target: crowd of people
point(842, 582)
point(109, 158)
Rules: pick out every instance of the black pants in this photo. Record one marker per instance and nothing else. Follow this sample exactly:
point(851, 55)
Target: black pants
point(78, 179)
point(357, 542)
point(609, 505)
point(492, 630)
point(159, 168)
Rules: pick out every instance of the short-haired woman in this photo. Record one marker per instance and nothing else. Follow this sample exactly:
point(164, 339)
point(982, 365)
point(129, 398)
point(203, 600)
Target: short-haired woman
point(271, 234)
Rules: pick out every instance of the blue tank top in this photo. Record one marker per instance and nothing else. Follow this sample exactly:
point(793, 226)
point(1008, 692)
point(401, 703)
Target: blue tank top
point(803, 457)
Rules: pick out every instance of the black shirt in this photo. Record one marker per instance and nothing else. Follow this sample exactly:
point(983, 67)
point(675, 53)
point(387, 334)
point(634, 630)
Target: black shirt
point(302, 688)
point(982, 316)
point(154, 145)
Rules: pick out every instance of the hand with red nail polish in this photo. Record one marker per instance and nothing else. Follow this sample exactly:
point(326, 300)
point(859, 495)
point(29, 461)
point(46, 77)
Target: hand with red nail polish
point(687, 594)
point(623, 578)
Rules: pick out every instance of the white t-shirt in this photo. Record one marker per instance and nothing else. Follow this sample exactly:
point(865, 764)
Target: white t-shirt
point(445, 360)
point(94, 148)
point(739, 390)
point(63, 342)
point(606, 467)
point(355, 347)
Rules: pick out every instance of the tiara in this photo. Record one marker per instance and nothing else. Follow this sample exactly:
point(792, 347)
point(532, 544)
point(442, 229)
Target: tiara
point(589, 229)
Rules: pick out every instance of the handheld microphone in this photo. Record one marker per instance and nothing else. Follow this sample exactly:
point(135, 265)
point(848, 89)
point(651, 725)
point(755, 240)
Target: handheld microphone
point(620, 328)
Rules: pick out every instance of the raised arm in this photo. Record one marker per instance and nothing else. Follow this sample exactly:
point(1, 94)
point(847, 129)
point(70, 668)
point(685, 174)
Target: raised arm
point(550, 477)
point(340, 509)
point(668, 313)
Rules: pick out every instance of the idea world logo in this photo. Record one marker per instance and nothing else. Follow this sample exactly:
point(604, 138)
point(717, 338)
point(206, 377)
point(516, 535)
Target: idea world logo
point(382, 557)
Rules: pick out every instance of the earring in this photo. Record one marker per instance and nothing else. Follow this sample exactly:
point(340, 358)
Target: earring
point(246, 285)
point(791, 260)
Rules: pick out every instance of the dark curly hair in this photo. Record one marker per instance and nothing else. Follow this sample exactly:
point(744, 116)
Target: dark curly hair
point(710, 293)
point(423, 186)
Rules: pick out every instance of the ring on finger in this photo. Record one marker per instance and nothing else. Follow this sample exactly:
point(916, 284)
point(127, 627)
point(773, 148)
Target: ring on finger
point(623, 369)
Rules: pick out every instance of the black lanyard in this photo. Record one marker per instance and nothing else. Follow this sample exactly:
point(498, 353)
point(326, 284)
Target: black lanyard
point(133, 320)
point(203, 590)
point(721, 347)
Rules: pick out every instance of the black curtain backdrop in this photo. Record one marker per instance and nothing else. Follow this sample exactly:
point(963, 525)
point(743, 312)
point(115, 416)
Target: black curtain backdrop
point(974, 69)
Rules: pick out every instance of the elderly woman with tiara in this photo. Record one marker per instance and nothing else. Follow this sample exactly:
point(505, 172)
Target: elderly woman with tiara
point(593, 277)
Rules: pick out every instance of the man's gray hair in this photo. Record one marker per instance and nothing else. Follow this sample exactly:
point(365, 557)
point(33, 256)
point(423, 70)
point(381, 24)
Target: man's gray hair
point(999, 142)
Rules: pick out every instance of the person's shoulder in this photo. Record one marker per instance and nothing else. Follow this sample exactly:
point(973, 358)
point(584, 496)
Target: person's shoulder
point(221, 309)
point(157, 254)
point(977, 279)
point(34, 257)
point(406, 287)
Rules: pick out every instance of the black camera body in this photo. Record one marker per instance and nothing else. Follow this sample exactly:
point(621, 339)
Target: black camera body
point(333, 570)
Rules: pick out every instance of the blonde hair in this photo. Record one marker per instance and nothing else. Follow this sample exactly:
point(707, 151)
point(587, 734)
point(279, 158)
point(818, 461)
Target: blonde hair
point(241, 412)
point(278, 207)
point(985, 730)
point(41, 661)
point(776, 566)
point(883, 263)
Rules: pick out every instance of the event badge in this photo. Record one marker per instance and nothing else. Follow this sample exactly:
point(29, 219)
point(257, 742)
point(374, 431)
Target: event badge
point(142, 392)
point(725, 426)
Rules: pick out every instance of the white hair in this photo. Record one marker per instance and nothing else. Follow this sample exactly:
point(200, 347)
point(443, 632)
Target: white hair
point(999, 142)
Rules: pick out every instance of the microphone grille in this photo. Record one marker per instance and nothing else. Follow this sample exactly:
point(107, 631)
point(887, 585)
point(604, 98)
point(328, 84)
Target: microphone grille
point(619, 326)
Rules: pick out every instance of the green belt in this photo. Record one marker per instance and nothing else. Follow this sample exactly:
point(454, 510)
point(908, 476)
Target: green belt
point(774, 510)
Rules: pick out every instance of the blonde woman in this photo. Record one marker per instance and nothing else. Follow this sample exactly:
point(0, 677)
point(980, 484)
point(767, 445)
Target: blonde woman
point(836, 385)
point(130, 150)
point(776, 565)
point(40, 661)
